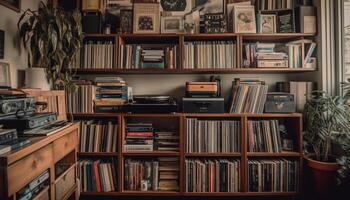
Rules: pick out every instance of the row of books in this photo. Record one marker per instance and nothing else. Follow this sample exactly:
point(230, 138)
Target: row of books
point(264, 136)
point(210, 55)
point(98, 55)
point(278, 175)
point(151, 175)
point(275, 4)
point(212, 136)
point(214, 175)
point(98, 136)
point(167, 140)
point(160, 56)
point(81, 101)
point(139, 137)
point(248, 96)
point(97, 176)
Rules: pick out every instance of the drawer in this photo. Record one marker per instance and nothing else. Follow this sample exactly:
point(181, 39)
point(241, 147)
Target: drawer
point(43, 195)
point(65, 145)
point(25, 170)
point(65, 183)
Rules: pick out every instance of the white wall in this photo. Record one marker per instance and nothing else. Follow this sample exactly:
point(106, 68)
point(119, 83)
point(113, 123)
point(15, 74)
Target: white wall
point(14, 52)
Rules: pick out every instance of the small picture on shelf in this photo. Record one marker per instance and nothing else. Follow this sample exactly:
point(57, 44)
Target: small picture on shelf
point(126, 21)
point(172, 24)
point(244, 19)
point(176, 5)
point(267, 23)
point(146, 18)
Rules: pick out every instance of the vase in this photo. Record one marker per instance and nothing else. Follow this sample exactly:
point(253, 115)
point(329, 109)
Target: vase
point(35, 78)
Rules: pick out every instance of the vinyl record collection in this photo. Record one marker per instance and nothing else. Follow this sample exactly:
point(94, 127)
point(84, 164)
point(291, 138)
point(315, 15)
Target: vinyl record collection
point(139, 137)
point(209, 55)
point(219, 175)
point(248, 96)
point(278, 175)
point(98, 136)
point(151, 175)
point(212, 136)
point(264, 136)
point(97, 176)
point(275, 4)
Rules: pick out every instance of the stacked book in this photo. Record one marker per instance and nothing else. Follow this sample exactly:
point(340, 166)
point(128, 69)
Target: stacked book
point(248, 96)
point(168, 174)
point(97, 176)
point(212, 175)
point(81, 101)
point(141, 175)
point(98, 136)
point(265, 55)
point(167, 141)
point(110, 91)
point(158, 56)
point(210, 136)
point(264, 136)
point(210, 55)
point(139, 137)
point(278, 175)
point(98, 55)
point(296, 57)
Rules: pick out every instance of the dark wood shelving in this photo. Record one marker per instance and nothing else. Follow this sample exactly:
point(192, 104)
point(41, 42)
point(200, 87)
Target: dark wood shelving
point(97, 154)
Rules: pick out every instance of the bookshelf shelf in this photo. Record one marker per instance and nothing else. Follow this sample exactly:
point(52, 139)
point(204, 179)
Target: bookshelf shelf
point(284, 154)
point(92, 154)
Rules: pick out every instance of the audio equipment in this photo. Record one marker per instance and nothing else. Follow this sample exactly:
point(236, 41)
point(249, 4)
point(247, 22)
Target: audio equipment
point(10, 107)
point(29, 122)
point(278, 102)
point(7, 135)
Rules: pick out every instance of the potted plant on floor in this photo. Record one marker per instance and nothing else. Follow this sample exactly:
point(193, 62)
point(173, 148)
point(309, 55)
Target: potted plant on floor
point(327, 124)
point(52, 37)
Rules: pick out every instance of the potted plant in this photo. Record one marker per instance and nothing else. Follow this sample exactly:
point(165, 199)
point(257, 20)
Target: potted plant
point(327, 125)
point(52, 37)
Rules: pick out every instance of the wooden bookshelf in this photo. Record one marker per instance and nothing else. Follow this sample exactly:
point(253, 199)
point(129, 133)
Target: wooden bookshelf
point(179, 119)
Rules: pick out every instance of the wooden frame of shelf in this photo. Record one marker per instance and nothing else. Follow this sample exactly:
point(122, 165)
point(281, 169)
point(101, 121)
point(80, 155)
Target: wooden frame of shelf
point(181, 38)
point(243, 155)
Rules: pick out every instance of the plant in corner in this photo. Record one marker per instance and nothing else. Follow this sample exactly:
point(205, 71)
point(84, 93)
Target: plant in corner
point(327, 125)
point(52, 37)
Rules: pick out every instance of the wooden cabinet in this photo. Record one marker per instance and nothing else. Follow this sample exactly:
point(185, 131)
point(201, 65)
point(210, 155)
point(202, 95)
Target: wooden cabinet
point(55, 153)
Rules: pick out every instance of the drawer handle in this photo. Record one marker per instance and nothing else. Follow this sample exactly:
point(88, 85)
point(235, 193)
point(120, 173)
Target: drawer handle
point(66, 144)
point(35, 164)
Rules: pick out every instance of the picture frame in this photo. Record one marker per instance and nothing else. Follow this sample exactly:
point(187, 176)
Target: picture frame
point(146, 18)
point(12, 4)
point(126, 16)
point(172, 24)
point(267, 23)
point(176, 7)
point(209, 6)
point(244, 19)
point(5, 74)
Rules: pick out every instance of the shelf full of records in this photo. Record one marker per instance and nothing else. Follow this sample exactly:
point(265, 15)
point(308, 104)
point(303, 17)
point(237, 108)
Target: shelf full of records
point(81, 101)
point(148, 56)
point(264, 136)
point(248, 96)
point(277, 175)
point(161, 174)
point(275, 4)
point(212, 136)
point(294, 54)
point(213, 175)
point(100, 136)
point(97, 175)
point(97, 55)
point(210, 55)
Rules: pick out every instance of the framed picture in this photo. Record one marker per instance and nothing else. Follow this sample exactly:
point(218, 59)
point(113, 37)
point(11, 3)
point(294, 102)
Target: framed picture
point(12, 4)
point(5, 76)
point(244, 19)
point(126, 21)
point(209, 6)
point(146, 18)
point(267, 23)
point(176, 7)
point(173, 24)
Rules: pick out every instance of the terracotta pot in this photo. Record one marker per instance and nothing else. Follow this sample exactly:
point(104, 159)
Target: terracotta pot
point(323, 176)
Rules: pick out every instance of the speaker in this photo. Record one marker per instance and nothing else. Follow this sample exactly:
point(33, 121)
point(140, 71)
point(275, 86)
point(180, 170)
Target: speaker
point(92, 22)
point(2, 44)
